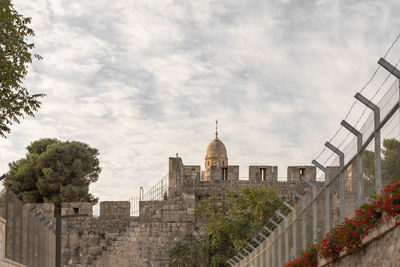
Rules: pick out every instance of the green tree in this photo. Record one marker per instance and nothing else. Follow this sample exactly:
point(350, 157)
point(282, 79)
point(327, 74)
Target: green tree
point(192, 252)
point(55, 171)
point(390, 162)
point(228, 224)
point(15, 57)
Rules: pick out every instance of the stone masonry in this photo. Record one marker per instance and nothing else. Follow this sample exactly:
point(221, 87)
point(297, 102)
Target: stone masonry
point(116, 239)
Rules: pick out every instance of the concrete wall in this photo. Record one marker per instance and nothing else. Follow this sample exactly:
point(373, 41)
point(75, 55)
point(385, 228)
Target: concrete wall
point(3, 261)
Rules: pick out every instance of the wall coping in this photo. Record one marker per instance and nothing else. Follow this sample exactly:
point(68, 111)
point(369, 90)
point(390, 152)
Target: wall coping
point(377, 233)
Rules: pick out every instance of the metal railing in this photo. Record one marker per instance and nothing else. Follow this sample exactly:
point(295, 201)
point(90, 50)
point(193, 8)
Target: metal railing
point(29, 236)
point(354, 168)
point(157, 192)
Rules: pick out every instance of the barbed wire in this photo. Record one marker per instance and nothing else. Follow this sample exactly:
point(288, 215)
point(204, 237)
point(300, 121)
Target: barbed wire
point(360, 91)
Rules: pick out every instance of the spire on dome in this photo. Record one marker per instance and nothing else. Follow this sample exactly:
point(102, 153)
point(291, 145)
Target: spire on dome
point(216, 129)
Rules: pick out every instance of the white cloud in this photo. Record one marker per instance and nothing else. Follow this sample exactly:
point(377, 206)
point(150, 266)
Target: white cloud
point(142, 80)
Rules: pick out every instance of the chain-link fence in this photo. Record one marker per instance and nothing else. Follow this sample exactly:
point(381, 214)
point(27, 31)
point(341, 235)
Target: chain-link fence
point(29, 235)
point(357, 162)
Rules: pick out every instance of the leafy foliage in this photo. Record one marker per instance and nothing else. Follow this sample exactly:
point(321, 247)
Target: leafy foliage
point(192, 251)
point(390, 162)
point(15, 56)
point(230, 223)
point(55, 171)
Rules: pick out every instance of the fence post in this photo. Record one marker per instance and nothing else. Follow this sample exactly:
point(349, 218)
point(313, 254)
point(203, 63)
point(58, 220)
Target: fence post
point(286, 233)
point(303, 222)
point(327, 199)
point(314, 206)
point(273, 248)
point(360, 181)
point(7, 221)
point(293, 224)
point(377, 136)
point(14, 227)
point(279, 241)
point(341, 178)
point(269, 243)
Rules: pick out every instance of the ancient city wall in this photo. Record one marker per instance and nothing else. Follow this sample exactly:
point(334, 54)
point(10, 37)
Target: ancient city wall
point(150, 238)
point(85, 238)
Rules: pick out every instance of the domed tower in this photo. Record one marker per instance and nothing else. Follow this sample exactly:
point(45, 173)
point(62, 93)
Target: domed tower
point(216, 155)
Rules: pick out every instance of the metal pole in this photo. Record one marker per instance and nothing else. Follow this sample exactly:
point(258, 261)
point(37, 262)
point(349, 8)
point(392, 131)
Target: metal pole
point(314, 206)
point(389, 67)
point(7, 221)
point(273, 249)
point(341, 178)
point(14, 228)
point(58, 241)
point(279, 241)
point(303, 219)
point(293, 225)
point(286, 232)
point(360, 180)
point(327, 198)
point(377, 136)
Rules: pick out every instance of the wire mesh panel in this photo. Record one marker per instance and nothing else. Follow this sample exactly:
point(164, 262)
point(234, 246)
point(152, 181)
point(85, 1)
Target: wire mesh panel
point(29, 240)
point(334, 197)
point(350, 190)
point(390, 137)
point(299, 235)
point(289, 233)
point(320, 200)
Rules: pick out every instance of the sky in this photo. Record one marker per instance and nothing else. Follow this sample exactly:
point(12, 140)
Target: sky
point(143, 80)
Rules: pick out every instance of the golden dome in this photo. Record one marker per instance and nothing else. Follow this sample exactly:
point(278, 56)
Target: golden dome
point(216, 154)
point(216, 149)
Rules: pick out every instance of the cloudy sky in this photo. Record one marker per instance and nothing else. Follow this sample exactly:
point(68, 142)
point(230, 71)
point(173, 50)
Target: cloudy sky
point(142, 80)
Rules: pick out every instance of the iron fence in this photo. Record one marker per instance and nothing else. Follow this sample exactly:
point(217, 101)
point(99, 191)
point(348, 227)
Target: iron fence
point(159, 191)
point(29, 235)
point(353, 167)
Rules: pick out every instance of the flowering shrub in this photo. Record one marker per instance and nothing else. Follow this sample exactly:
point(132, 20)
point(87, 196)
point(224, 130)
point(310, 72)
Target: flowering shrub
point(348, 235)
point(308, 258)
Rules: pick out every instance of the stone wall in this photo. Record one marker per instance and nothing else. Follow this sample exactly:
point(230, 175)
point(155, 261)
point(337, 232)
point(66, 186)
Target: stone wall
point(149, 239)
point(380, 248)
point(115, 239)
point(263, 173)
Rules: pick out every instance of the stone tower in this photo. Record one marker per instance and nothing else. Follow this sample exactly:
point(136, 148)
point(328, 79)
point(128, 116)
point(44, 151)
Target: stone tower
point(216, 156)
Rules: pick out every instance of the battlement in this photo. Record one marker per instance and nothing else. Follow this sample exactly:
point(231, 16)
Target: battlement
point(178, 173)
